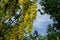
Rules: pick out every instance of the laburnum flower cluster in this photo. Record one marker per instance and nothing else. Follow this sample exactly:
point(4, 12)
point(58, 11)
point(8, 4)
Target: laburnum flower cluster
point(28, 14)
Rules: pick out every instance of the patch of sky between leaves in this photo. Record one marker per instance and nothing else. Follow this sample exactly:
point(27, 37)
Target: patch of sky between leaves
point(42, 21)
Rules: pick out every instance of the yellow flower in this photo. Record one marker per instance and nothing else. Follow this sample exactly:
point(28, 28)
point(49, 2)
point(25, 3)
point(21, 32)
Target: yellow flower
point(20, 31)
point(33, 16)
point(28, 30)
point(29, 27)
point(25, 22)
point(33, 12)
point(27, 16)
point(20, 37)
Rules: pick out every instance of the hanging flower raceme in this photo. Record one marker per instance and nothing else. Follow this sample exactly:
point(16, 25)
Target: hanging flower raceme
point(28, 14)
point(21, 28)
point(20, 31)
point(12, 35)
point(29, 26)
point(33, 11)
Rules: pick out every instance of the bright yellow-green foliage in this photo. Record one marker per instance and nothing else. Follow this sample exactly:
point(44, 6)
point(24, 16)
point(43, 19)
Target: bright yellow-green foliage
point(29, 14)
point(28, 11)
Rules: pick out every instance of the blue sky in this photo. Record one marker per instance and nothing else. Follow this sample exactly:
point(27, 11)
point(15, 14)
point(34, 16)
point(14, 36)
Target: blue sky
point(41, 22)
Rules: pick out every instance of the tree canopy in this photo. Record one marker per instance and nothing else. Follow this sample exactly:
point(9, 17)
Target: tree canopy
point(17, 16)
point(52, 7)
